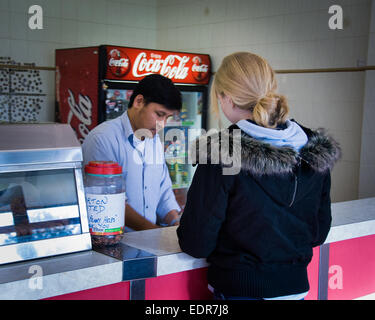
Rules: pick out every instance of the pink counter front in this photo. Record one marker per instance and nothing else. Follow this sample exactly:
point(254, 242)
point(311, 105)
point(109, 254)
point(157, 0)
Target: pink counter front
point(154, 268)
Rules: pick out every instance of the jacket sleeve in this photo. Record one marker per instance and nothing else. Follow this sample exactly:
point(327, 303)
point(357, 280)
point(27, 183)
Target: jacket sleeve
point(204, 212)
point(324, 217)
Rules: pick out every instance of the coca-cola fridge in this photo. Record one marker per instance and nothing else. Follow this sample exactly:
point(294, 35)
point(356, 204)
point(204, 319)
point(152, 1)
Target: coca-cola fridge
point(94, 84)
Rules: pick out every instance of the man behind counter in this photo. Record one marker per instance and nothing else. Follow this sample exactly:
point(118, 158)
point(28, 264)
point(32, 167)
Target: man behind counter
point(132, 141)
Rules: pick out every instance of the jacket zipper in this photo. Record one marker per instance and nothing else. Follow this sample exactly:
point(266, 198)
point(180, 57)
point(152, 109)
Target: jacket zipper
point(295, 190)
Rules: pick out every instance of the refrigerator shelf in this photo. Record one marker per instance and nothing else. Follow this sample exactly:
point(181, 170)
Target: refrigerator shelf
point(182, 156)
point(188, 123)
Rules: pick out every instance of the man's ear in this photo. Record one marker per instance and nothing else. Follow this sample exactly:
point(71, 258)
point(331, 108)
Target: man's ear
point(138, 102)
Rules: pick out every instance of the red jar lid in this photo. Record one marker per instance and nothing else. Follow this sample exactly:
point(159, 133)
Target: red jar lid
point(103, 168)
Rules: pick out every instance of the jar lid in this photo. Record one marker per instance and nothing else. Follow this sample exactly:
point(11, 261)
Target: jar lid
point(103, 168)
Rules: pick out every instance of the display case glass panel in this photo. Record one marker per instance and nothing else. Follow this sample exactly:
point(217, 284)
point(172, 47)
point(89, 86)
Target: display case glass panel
point(37, 205)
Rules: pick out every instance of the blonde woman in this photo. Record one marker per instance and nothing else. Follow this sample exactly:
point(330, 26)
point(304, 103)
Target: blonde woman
point(257, 227)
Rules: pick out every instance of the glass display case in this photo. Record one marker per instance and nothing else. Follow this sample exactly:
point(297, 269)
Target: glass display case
point(42, 203)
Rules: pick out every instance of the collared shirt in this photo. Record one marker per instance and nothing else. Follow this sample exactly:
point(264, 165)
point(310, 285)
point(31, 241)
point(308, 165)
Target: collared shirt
point(147, 181)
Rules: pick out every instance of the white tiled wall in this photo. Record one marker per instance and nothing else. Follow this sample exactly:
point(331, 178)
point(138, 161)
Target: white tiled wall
point(289, 33)
point(72, 23)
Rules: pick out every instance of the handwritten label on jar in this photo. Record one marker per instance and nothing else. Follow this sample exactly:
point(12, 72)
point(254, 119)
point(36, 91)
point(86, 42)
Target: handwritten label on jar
point(106, 213)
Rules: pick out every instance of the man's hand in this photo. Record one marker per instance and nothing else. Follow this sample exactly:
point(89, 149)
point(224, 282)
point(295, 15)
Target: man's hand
point(172, 218)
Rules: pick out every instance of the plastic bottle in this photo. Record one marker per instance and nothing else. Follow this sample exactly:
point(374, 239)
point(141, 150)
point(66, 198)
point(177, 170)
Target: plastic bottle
point(105, 199)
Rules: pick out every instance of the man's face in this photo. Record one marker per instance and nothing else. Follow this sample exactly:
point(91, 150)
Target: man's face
point(152, 116)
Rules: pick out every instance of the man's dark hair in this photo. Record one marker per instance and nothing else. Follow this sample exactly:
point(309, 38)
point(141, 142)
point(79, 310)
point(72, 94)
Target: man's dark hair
point(158, 89)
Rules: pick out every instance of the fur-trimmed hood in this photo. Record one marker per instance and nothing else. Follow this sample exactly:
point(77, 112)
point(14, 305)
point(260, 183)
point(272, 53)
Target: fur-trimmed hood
point(320, 152)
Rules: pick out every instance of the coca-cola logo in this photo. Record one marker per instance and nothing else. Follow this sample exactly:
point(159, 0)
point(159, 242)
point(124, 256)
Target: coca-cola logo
point(82, 111)
point(199, 70)
point(133, 64)
point(118, 63)
point(172, 67)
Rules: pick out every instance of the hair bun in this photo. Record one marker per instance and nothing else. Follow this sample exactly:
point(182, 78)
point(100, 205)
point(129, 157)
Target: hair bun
point(271, 110)
point(269, 101)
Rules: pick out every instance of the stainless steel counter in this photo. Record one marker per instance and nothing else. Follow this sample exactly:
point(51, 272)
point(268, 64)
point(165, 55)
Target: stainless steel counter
point(157, 250)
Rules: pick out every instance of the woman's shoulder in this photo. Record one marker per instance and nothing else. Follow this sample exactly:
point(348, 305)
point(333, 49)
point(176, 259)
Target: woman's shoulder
point(322, 150)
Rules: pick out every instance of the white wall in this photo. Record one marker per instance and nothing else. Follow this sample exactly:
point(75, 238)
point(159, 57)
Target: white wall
point(290, 34)
point(367, 166)
point(72, 23)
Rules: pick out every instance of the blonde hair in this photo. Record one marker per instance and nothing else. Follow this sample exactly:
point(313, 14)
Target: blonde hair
point(250, 82)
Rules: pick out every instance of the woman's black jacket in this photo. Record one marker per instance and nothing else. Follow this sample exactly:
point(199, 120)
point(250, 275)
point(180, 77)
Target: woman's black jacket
point(255, 211)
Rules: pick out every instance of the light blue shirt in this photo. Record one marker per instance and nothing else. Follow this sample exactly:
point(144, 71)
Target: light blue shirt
point(147, 181)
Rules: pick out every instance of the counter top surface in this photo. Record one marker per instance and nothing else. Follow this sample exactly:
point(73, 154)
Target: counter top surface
point(355, 211)
point(89, 269)
point(352, 219)
point(49, 277)
point(163, 243)
point(160, 241)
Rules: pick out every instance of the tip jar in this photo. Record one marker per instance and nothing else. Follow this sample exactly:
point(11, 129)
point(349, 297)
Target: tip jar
point(105, 200)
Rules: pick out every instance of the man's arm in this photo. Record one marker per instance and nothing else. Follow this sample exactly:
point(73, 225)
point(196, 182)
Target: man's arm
point(135, 221)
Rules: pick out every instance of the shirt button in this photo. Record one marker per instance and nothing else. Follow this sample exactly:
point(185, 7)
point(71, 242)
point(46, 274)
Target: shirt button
point(146, 207)
point(145, 187)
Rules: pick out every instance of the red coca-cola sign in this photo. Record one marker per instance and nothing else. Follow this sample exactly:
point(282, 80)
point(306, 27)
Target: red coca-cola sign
point(77, 88)
point(199, 69)
point(134, 64)
point(118, 62)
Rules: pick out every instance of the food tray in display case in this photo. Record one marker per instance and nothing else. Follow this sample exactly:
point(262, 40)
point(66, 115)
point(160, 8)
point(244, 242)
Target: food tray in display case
point(42, 201)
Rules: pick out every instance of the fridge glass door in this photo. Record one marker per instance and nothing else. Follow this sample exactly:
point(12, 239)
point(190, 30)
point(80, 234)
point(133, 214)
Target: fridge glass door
point(116, 102)
point(179, 132)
